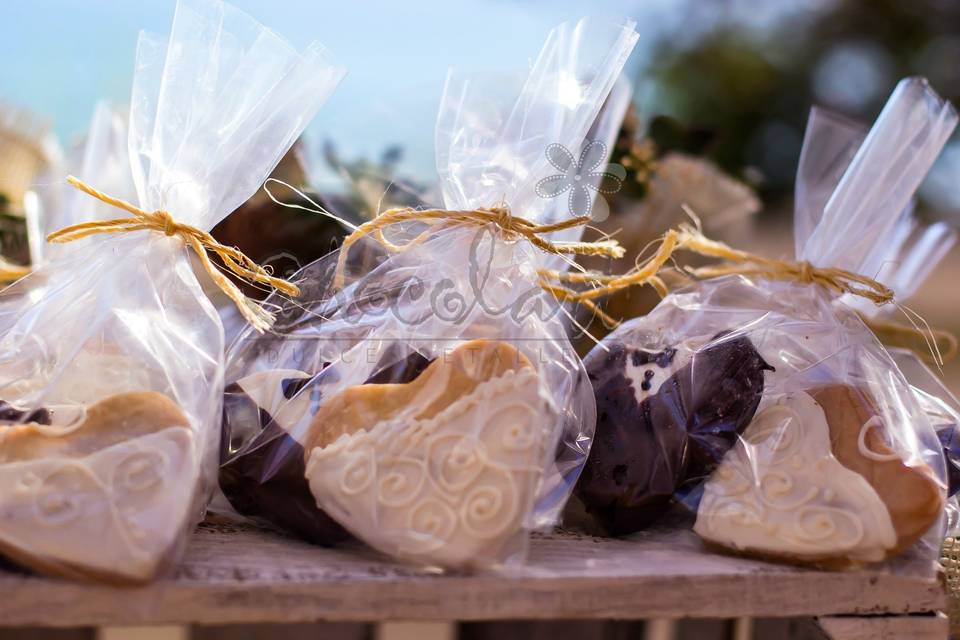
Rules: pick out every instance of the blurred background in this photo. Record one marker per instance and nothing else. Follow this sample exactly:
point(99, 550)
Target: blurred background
point(722, 91)
point(721, 95)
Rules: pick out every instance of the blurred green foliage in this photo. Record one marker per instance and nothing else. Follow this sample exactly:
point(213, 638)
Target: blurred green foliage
point(753, 85)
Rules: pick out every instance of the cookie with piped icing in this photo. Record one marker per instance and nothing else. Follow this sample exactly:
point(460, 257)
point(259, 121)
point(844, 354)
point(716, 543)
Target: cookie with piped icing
point(262, 461)
point(861, 442)
point(440, 471)
point(447, 378)
point(100, 491)
point(814, 481)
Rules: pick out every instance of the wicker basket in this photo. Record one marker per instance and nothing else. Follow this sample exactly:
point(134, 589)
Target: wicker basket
point(950, 559)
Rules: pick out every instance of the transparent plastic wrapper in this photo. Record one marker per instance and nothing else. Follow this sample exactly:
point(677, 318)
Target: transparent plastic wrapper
point(111, 375)
point(766, 407)
point(432, 406)
point(102, 159)
point(943, 411)
point(902, 259)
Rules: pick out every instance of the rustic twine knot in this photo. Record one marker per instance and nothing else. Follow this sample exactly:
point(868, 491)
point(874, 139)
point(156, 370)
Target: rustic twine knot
point(500, 217)
point(689, 238)
point(647, 272)
point(504, 219)
point(200, 241)
point(170, 226)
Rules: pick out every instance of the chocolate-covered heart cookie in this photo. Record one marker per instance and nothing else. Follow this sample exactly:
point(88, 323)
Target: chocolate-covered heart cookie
point(664, 419)
point(97, 492)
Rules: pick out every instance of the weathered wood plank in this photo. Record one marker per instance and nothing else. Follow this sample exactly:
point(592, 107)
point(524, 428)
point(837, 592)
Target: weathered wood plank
point(236, 574)
point(179, 632)
point(934, 627)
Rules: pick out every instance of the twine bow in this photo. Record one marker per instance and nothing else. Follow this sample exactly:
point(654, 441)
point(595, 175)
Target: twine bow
point(839, 281)
point(941, 345)
point(199, 240)
point(932, 345)
point(510, 225)
point(689, 238)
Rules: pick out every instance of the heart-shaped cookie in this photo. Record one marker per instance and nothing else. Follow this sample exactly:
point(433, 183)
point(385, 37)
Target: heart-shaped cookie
point(813, 481)
point(911, 493)
point(104, 496)
point(442, 470)
point(262, 461)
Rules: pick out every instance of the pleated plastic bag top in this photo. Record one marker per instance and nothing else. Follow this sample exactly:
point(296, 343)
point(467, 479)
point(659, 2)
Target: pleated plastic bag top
point(423, 395)
point(111, 375)
point(904, 258)
point(765, 407)
point(102, 159)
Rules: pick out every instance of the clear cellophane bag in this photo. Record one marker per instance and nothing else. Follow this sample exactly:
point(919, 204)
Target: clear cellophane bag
point(111, 373)
point(765, 412)
point(432, 406)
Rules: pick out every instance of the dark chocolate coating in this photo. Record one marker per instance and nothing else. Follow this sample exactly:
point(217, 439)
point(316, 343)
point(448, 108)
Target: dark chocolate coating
point(950, 442)
point(265, 478)
point(643, 453)
point(11, 414)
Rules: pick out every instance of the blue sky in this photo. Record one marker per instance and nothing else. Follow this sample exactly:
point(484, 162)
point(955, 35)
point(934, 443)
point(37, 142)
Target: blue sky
point(59, 57)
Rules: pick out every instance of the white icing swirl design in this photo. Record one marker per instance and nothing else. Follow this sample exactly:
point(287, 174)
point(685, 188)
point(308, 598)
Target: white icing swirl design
point(488, 510)
point(67, 493)
point(401, 481)
point(455, 461)
point(873, 422)
point(430, 523)
point(131, 498)
point(450, 491)
point(781, 491)
point(358, 472)
point(140, 471)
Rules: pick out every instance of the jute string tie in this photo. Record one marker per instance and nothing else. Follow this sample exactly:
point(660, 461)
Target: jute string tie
point(935, 346)
point(941, 345)
point(197, 239)
point(509, 225)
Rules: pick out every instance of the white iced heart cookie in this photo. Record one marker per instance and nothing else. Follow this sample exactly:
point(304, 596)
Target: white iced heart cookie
point(447, 480)
point(105, 498)
point(781, 492)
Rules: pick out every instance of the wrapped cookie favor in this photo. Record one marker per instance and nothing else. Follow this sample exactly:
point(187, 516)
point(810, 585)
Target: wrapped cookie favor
point(111, 375)
point(913, 251)
point(758, 400)
point(102, 157)
point(422, 394)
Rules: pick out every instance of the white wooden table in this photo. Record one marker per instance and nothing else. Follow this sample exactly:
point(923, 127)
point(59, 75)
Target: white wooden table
point(237, 574)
